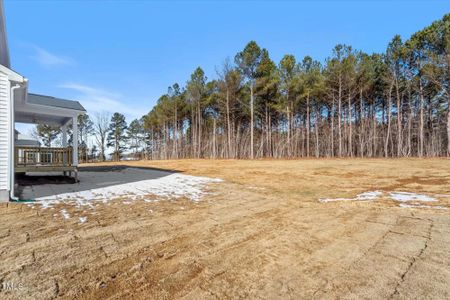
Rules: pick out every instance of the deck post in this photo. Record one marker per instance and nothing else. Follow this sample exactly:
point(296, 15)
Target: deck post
point(75, 141)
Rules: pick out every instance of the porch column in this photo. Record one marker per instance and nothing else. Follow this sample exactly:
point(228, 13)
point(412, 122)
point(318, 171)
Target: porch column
point(64, 135)
point(75, 141)
point(64, 143)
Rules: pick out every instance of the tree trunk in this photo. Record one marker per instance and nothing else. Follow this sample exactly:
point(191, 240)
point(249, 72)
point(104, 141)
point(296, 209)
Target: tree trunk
point(448, 128)
point(399, 123)
point(270, 137)
point(421, 124)
point(228, 124)
point(251, 122)
point(193, 134)
point(409, 127)
point(339, 118)
point(199, 120)
point(175, 133)
point(308, 125)
point(332, 127)
point(374, 121)
point(214, 138)
point(317, 133)
point(350, 132)
point(386, 144)
point(288, 131)
point(447, 56)
point(361, 124)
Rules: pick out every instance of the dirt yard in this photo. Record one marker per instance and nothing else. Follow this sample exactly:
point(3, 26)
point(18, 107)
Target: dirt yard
point(261, 233)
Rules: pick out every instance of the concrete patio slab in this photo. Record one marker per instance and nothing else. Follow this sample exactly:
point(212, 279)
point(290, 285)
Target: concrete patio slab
point(38, 185)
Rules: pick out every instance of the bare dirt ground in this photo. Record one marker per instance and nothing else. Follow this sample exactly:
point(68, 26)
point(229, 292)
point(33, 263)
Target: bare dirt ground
point(262, 233)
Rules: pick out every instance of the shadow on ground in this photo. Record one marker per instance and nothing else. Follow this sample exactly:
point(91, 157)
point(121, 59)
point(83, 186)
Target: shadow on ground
point(36, 185)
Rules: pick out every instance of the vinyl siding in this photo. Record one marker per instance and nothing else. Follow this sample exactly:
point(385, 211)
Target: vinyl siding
point(4, 132)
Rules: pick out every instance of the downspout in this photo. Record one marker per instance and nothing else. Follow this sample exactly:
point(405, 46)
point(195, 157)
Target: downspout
point(11, 148)
point(12, 197)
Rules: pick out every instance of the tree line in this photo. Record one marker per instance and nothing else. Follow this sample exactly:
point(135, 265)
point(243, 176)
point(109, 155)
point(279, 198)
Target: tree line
point(354, 104)
point(390, 104)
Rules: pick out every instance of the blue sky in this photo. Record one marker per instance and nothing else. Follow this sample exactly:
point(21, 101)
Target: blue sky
point(122, 55)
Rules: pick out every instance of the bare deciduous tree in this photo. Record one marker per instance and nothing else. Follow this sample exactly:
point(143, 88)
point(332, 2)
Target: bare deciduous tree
point(101, 128)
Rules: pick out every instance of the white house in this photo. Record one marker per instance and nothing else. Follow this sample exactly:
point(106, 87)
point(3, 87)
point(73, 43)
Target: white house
point(25, 140)
point(17, 105)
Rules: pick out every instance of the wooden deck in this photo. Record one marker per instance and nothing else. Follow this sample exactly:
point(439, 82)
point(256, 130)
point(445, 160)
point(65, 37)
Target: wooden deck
point(43, 159)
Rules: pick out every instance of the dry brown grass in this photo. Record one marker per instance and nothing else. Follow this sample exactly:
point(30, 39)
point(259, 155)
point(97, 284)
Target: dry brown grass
point(260, 234)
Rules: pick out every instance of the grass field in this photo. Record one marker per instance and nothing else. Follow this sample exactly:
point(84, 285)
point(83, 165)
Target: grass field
point(261, 233)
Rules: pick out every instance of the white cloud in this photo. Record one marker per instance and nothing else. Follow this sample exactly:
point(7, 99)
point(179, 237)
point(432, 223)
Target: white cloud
point(47, 59)
point(97, 100)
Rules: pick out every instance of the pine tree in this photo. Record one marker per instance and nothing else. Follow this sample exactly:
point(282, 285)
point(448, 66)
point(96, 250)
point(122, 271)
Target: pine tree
point(117, 134)
point(134, 135)
point(248, 61)
point(47, 133)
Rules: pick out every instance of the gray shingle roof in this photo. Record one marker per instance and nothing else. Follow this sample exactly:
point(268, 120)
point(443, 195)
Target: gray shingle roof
point(4, 51)
point(27, 143)
point(55, 102)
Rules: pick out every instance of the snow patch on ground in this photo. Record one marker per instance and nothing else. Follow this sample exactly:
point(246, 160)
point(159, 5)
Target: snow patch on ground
point(366, 196)
point(170, 186)
point(369, 195)
point(83, 220)
point(65, 214)
point(407, 199)
point(46, 204)
point(405, 196)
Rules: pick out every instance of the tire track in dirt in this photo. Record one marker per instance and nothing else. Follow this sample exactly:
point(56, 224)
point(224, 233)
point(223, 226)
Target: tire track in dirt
point(338, 285)
point(413, 261)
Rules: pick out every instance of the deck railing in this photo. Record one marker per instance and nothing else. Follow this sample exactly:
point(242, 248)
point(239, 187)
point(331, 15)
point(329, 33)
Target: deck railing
point(43, 156)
